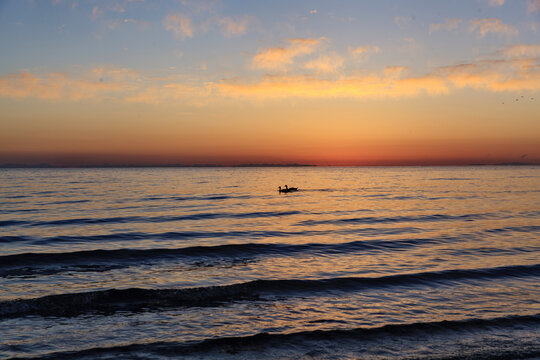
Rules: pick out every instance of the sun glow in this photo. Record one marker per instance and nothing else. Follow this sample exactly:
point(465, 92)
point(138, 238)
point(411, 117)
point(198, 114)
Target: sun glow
point(218, 89)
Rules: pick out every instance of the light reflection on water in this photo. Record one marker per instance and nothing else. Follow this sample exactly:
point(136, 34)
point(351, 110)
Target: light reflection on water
point(345, 222)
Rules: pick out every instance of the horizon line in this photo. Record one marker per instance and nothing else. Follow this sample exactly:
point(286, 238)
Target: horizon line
point(110, 166)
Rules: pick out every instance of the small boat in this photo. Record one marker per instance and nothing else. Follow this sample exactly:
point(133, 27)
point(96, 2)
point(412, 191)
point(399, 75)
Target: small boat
point(287, 189)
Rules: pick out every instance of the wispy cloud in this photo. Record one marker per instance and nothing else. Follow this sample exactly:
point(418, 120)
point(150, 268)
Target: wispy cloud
point(117, 7)
point(113, 74)
point(111, 24)
point(362, 51)
point(179, 24)
point(394, 72)
point(141, 24)
point(513, 68)
point(496, 3)
point(449, 24)
point(199, 6)
point(325, 64)
point(279, 57)
point(302, 86)
point(120, 6)
point(102, 83)
point(96, 13)
point(403, 21)
point(486, 26)
point(170, 92)
point(313, 11)
point(533, 6)
point(231, 27)
point(496, 75)
point(101, 15)
point(62, 87)
point(516, 51)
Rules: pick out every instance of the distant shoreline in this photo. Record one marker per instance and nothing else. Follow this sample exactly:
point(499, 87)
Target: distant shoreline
point(102, 166)
point(127, 166)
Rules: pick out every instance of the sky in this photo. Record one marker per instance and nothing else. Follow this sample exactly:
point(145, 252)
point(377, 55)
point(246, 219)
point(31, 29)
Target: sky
point(140, 82)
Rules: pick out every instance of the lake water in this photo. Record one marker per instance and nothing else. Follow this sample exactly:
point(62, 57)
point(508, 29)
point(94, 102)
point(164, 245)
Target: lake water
point(371, 263)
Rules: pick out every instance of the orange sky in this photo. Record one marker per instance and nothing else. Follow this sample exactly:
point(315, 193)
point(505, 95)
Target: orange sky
point(354, 83)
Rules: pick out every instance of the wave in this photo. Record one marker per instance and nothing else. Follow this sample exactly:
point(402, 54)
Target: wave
point(12, 211)
point(195, 198)
point(16, 196)
point(397, 219)
point(182, 235)
point(258, 345)
point(137, 299)
point(101, 260)
point(255, 234)
point(11, 222)
point(65, 202)
point(151, 219)
point(525, 229)
point(256, 214)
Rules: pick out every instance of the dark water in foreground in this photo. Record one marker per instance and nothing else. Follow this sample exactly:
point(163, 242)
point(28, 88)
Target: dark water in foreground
point(371, 263)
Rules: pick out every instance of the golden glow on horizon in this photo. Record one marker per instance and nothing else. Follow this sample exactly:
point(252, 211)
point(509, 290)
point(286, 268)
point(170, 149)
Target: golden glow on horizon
point(314, 98)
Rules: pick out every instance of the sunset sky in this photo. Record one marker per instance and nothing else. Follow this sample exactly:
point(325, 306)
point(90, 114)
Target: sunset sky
point(233, 82)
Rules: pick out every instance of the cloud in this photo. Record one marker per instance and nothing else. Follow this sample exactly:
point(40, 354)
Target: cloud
point(313, 11)
point(179, 24)
point(403, 21)
point(231, 27)
point(533, 6)
point(486, 26)
point(120, 6)
point(279, 57)
point(393, 72)
point(170, 92)
point(276, 87)
point(96, 13)
point(111, 24)
point(516, 51)
point(496, 3)
point(62, 87)
point(101, 84)
point(199, 6)
point(495, 75)
point(410, 45)
point(107, 24)
point(114, 74)
point(363, 51)
point(513, 68)
point(325, 64)
point(449, 24)
point(141, 24)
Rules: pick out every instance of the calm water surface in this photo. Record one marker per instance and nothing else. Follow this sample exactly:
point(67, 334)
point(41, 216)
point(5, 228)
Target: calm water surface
point(374, 263)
